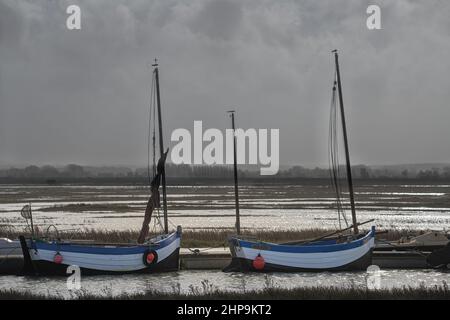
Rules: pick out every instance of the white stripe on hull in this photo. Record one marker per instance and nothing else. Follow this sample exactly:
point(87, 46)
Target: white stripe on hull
point(321, 260)
point(105, 262)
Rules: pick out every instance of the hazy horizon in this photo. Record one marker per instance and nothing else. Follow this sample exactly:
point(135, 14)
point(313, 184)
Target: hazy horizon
point(241, 167)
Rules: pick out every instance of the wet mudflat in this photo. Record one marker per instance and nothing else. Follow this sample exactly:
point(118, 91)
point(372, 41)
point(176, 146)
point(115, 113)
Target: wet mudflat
point(263, 206)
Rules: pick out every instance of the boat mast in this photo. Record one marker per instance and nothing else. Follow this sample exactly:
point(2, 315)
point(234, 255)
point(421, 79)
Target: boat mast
point(161, 146)
point(236, 189)
point(347, 154)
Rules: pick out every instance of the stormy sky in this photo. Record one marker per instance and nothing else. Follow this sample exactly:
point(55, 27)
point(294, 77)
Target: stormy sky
point(82, 96)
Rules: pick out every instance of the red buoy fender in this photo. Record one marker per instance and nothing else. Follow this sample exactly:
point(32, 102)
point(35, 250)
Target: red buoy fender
point(258, 262)
point(150, 257)
point(58, 258)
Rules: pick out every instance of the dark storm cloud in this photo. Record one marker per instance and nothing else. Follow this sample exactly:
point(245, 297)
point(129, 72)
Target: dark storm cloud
point(82, 96)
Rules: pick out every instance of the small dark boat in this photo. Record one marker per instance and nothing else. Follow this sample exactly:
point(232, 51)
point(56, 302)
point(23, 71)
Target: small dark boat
point(440, 258)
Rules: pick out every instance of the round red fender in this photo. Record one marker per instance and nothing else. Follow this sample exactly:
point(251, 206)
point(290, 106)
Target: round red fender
point(150, 257)
point(259, 262)
point(58, 258)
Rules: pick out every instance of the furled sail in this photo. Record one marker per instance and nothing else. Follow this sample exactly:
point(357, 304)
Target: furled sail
point(154, 200)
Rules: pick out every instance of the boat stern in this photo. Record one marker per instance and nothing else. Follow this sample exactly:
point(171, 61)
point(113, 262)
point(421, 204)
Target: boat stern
point(238, 262)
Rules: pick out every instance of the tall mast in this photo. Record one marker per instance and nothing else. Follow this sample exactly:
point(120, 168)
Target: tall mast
point(161, 146)
point(236, 189)
point(347, 154)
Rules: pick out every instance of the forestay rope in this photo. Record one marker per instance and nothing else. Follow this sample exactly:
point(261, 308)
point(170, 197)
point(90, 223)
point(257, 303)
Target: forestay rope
point(151, 152)
point(333, 155)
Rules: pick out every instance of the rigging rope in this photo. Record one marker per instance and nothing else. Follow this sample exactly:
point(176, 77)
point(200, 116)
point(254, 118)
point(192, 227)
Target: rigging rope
point(406, 250)
point(198, 251)
point(333, 155)
point(151, 137)
point(154, 126)
point(151, 149)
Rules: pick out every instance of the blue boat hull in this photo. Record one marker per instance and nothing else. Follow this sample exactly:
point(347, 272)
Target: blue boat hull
point(47, 268)
point(54, 258)
point(312, 257)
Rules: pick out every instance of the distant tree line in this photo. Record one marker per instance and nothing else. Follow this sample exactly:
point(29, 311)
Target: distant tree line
point(203, 171)
point(70, 171)
point(77, 171)
point(367, 172)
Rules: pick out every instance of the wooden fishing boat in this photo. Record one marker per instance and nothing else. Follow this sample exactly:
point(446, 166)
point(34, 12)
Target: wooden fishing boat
point(344, 252)
point(158, 254)
point(327, 255)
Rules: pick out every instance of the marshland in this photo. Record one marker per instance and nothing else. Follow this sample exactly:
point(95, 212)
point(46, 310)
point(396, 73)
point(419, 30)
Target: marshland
point(298, 206)
point(113, 213)
point(207, 291)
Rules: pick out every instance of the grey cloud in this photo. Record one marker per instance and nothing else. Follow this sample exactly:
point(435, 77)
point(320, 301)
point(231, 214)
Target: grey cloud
point(11, 26)
point(218, 19)
point(82, 96)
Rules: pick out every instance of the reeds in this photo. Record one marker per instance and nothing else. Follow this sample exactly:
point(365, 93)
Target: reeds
point(207, 292)
point(199, 238)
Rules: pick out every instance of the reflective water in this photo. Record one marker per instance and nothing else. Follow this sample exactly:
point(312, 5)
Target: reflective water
point(196, 281)
point(265, 206)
